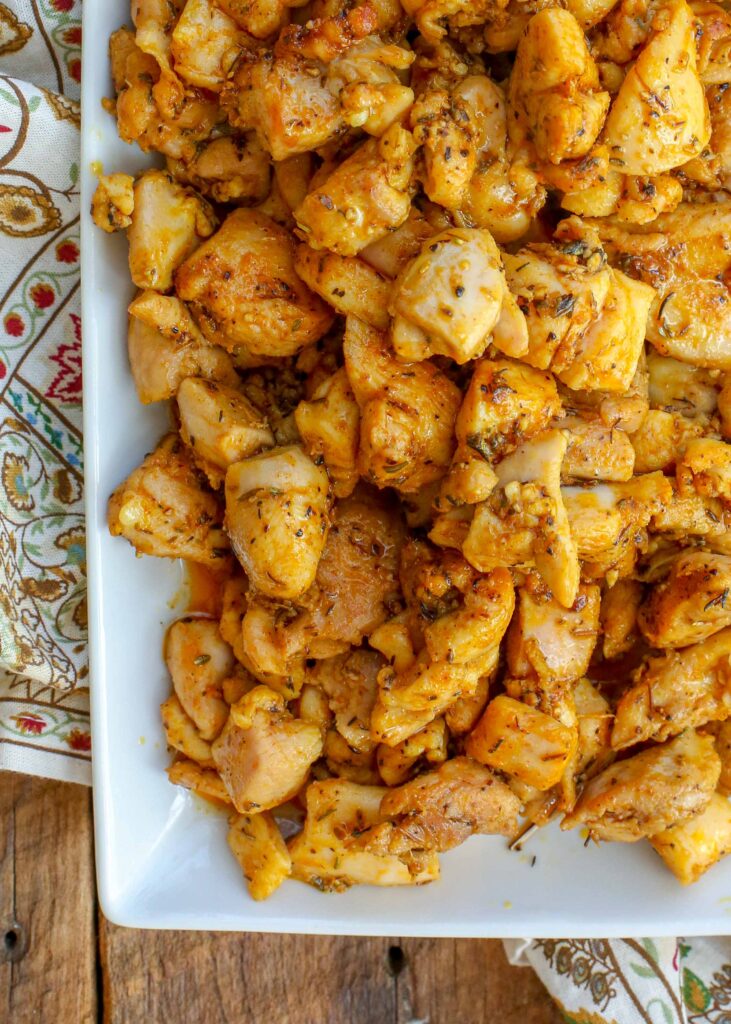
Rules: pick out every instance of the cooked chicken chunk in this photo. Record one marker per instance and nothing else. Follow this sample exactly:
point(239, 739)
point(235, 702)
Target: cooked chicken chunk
point(228, 169)
point(691, 604)
point(165, 347)
point(407, 412)
point(554, 95)
point(365, 197)
point(619, 609)
point(258, 846)
point(168, 223)
point(181, 733)
point(675, 691)
point(350, 682)
point(219, 423)
point(204, 44)
point(692, 847)
point(660, 118)
point(440, 809)
point(349, 284)
point(113, 202)
point(243, 289)
point(164, 508)
point(452, 300)
point(326, 853)
point(523, 524)
point(427, 747)
point(646, 794)
point(264, 754)
point(198, 660)
point(277, 519)
point(596, 451)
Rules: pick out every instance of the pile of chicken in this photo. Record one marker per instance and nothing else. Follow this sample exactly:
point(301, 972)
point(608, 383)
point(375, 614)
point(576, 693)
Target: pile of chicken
point(441, 294)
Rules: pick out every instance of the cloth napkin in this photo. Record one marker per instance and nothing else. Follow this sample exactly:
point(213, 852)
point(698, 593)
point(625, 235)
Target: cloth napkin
point(44, 717)
point(44, 713)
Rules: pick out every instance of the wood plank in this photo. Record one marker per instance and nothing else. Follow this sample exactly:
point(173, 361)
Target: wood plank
point(279, 979)
point(47, 923)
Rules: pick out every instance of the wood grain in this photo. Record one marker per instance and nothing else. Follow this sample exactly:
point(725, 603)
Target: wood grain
point(279, 979)
point(47, 901)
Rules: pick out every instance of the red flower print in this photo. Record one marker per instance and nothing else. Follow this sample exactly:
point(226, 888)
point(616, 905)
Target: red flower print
point(75, 69)
point(14, 325)
point(72, 35)
point(43, 295)
point(3, 370)
point(67, 252)
point(62, 5)
point(5, 128)
point(66, 385)
point(32, 725)
point(78, 740)
point(76, 321)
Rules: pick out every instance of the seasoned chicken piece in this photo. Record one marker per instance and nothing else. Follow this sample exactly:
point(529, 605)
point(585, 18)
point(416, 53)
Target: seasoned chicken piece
point(704, 468)
point(625, 411)
point(595, 451)
point(643, 199)
point(685, 256)
point(228, 169)
point(518, 739)
point(277, 506)
point(400, 763)
point(619, 608)
point(365, 197)
point(164, 508)
point(347, 283)
point(445, 126)
point(319, 79)
point(345, 763)
point(168, 223)
point(682, 388)
point(350, 682)
point(264, 754)
point(198, 660)
point(260, 18)
point(219, 423)
point(181, 733)
point(407, 412)
point(388, 255)
point(594, 723)
point(327, 853)
point(205, 44)
point(165, 347)
point(329, 424)
point(443, 808)
point(452, 300)
point(436, 17)
point(549, 640)
point(504, 192)
point(662, 439)
point(154, 21)
point(462, 647)
point(505, 403)
point(607, 521)
point(647, 793)
point(713, 36)
point(692, 847)
point(258, 846)
point(204, 782)
point(675, 691)
point(156, 111)
point(523, 524)
point(660, 118)
point(690, 605)
point(113, 202)
point(243, 289)
point(554, 96)
point(462, 716)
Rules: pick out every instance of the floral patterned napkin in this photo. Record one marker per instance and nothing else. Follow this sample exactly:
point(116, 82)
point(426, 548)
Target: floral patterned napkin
point(44, 717)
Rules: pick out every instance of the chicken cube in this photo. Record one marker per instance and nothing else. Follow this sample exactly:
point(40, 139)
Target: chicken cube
point(705, 469)
point(690, 848)
point(277, 506)
point(350, 682)
point(428, 746)
point(675, 691)
point(204, 782)
point(662, 439)
point(243, 289)
point(181, 733)
point(596, 451)
point(219, 423)
point(258, 846)
point(347, 283)
point(690, 605)
point(662, 786)
point(113, 202)
point(329, 424)
point(515, 738)
point(325, 853)
point(198, 660)
point(264, 754)
point(205, 44)
point(169, 222)
point(227, 169)
point(164, 508)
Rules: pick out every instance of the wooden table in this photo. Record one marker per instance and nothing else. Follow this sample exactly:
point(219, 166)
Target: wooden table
point(61, 962)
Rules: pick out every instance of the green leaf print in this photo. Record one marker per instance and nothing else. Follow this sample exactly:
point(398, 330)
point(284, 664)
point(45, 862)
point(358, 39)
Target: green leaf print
point(695, 994)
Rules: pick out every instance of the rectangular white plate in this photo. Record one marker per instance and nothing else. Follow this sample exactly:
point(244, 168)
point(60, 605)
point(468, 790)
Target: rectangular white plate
point(162, 861)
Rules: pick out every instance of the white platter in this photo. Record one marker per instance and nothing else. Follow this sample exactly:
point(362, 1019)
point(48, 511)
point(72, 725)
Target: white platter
point(162, 861)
